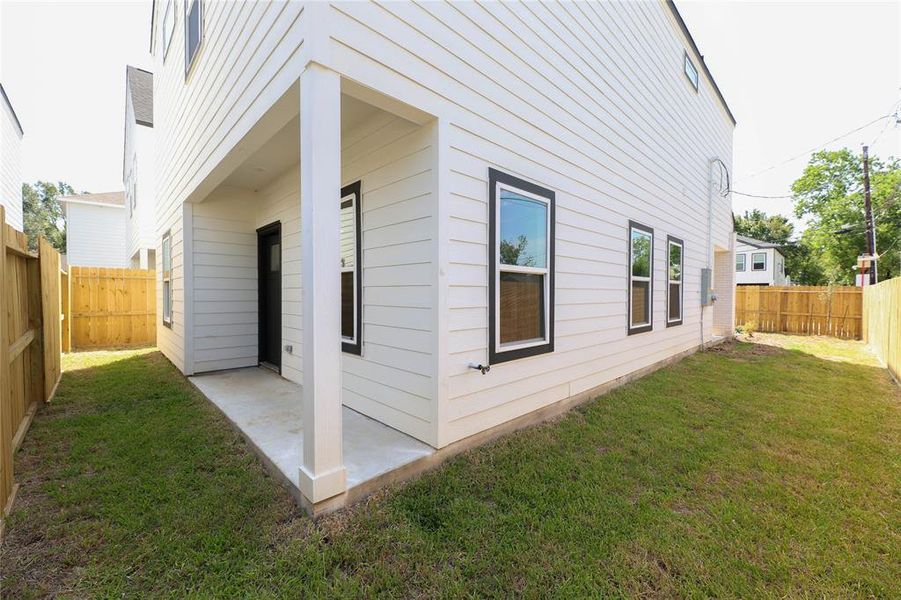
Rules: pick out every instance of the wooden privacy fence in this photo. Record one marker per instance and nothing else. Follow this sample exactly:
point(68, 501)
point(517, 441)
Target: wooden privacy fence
point(813, 310)
point(29, 341)
point(110, 308)
point(882, 322)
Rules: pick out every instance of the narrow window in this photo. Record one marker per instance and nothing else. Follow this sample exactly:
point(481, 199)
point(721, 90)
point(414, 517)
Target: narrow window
point(641, 277)
point(351, 270)
point(168, 26)
point(521, 284)
point(691, 72)
point(740, 262)
point(167, 279)
point(193, 31)
point(758, 261)
point(675, 250)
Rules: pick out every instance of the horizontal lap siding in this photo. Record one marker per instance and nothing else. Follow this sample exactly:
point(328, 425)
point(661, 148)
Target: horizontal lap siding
point(251, 53)
point(96, 235)
point(10, 168)
point(589, 100)
point(171, 340)
point(225, 281)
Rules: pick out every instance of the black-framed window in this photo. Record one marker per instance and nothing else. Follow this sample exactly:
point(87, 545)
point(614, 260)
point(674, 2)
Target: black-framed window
point(741, 262)
point(351, 269)
point(691, 72)
point(193, 31)
point(641, 278)
point(675, 258)
point(758, 261)
point(167, 278)
point(521, 263)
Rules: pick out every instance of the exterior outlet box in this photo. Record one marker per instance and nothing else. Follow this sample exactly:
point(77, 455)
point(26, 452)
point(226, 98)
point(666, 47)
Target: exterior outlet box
point(707, 295)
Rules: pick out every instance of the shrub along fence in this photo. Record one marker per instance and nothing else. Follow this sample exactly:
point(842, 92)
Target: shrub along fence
point(814, 310)
point(29, 341)
point(882, 322)
point(110, 308)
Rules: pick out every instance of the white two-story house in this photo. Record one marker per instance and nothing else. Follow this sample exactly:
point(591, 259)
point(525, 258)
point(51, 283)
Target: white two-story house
point(759, 263)
point(10, 162)
point(138, 163)
point(430, 223)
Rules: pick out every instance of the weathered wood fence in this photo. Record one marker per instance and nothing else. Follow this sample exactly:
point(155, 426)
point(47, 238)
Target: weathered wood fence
point(882, 322)
point(110, 308)
point(813, 310)
point(29, 341)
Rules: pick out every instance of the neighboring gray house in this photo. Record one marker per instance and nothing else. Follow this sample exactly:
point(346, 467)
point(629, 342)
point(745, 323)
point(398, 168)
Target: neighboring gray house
point(138, 170)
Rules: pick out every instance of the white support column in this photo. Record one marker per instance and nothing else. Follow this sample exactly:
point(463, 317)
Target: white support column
point(322, 473)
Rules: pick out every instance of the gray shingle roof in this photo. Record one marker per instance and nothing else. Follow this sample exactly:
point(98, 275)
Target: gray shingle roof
point(754, 242)
point(140, 82)
point(109, 198)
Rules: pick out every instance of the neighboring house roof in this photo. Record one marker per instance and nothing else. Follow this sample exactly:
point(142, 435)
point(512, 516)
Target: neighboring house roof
point(141, 84)
point(694, 46)
point(114, 199)
point(11, 109)
point(758, 243)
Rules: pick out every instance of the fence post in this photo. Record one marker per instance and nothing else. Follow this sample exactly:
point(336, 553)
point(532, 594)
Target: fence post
point(36, 324)
point(6, 433)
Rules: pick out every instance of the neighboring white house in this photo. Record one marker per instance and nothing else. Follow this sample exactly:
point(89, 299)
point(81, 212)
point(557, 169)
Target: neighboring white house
point(759, 263)
point(138, 170)
point(534, 187)
point(10, 161)
point(95, 229)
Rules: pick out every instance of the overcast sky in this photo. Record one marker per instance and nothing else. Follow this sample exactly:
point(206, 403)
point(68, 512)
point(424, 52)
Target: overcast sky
point(794, 74)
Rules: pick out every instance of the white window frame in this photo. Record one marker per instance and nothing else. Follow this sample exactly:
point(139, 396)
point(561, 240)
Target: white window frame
point(753, 268)
point(168, 31)
point(670, 242)
point(501, 267)
point(353, 193)
point(744, 262)
point(649, 325)
point(166, 250)
point(691, 72)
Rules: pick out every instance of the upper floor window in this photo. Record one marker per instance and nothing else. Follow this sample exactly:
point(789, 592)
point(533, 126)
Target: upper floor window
point(641, 277)
point(691, 72)
point(740, 265)
point(675, 250)
point(521, 230)
point(168, 26)
point(758, 261)
point(193, 31)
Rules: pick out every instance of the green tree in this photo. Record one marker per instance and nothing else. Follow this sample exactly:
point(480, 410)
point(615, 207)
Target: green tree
point(775, 229)
point(829, 194)
point(44, 215)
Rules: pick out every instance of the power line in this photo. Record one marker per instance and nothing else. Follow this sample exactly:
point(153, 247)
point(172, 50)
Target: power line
point(759, 196)
point(814, 149)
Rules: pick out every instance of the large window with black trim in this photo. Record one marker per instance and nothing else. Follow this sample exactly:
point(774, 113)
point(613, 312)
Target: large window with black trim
point(675, 249)
point(641, 277)
point(521, 283)
point(351, 270)
point(167, 278)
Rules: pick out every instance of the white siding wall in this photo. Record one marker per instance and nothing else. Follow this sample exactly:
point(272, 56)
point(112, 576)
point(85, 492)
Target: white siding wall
point(10, 167)
point(139, 166)
point(749, 277)
point(95, 235)
point(171, 339)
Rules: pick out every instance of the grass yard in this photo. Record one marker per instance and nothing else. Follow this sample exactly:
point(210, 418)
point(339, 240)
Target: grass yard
point(759, 470)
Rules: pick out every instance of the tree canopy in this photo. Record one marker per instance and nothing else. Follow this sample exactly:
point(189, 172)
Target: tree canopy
point(776, 229)
point(829, 195)
point(43, 213)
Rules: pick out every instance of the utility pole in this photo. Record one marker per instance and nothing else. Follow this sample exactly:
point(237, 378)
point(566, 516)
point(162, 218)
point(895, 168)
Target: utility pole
point(868, 209)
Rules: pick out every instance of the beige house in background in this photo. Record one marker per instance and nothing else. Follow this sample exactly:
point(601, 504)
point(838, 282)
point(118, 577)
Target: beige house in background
point(386, 232)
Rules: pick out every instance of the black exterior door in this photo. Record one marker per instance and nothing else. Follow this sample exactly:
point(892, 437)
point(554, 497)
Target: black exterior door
point(269, 242)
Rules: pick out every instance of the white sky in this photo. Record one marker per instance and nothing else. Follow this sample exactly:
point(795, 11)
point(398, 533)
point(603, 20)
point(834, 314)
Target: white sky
point(794, 74)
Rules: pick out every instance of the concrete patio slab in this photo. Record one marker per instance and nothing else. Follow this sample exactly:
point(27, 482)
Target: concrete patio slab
point(267, 409)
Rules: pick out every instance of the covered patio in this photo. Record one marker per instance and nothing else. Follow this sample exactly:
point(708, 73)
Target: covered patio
point(265, 408)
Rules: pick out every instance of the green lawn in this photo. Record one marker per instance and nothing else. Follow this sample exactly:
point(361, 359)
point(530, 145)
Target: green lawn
point(751, 470)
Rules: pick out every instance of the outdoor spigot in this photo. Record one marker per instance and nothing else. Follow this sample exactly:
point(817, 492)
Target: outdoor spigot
point(483, 368)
